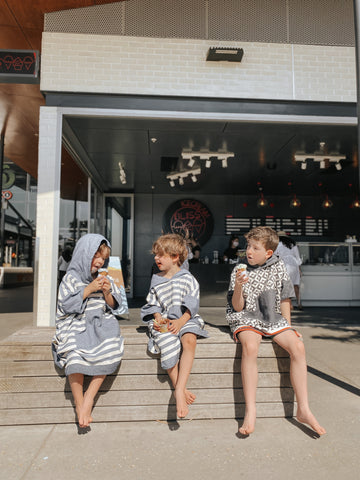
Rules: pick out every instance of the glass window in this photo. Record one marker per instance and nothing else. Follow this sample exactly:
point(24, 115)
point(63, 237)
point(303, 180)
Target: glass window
point(356, 255)
point(322, 253)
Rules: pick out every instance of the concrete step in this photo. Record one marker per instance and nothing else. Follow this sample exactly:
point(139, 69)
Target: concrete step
point(33, 391)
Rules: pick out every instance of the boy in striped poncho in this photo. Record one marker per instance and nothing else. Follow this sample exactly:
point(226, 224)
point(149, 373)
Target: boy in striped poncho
point(171, 314)
point(87, 340)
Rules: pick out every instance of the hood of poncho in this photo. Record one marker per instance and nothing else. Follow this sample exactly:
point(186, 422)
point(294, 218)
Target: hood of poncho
point(157, 279)
point(83, 254)
point(270, 261)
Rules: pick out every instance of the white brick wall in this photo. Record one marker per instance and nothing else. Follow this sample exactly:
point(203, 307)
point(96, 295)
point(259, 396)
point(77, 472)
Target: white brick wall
point(47, 214)
point(157, 66)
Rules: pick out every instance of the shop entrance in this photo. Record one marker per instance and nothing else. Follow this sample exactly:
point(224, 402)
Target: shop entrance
point(119, 230)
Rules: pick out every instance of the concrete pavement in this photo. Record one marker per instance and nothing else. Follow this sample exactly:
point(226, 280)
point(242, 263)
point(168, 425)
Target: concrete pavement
point(278, 449)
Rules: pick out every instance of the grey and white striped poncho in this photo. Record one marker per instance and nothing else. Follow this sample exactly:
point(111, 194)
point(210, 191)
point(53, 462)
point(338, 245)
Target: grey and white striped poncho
point(171, 297)
point(87, 338)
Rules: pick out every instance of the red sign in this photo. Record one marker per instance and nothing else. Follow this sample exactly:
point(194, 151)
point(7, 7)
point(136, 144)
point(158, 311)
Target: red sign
point(6, 194)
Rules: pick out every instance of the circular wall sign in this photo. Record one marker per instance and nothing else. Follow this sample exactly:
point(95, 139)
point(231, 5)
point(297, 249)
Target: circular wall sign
point(6, 194)
point(189, 215)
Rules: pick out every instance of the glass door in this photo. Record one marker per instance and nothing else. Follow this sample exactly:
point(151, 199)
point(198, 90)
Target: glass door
point(119, 229)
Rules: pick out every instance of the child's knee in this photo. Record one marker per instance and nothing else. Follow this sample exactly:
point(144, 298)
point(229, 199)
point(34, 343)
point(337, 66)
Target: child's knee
point(250, 349)
point(188, 340)
point(298, 349)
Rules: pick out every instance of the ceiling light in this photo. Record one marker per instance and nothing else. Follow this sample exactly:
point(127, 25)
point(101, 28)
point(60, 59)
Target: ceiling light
point(322, 163)
point(191, 162)
point(208, 163)
point(356, 203)
point(181, 180)
point(262, 202)
point(194, 178)
point(172, 183)
point(303, 165)
point(338, 166)
point(224, 162)
point(327, 203)
point(295, 202)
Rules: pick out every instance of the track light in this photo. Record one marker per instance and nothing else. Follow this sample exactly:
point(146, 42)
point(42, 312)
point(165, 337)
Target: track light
point(338, 166)
point(122, 173)
point(172, 183)
point(303, 165)
point(194, 178)
point(191, 162)
point(208, 163)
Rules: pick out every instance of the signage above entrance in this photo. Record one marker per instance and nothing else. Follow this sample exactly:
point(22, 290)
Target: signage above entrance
point(19, 66)
point(189, 215)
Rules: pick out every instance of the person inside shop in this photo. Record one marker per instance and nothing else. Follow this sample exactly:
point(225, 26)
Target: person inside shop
point(289, 253)
point(231, 253)
point(195, 250)
point(259, 306)
point(63, 262)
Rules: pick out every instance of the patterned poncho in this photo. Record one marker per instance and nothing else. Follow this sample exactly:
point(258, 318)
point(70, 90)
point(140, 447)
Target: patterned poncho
point(87, 338)
point(171, 297)
point(268, 285)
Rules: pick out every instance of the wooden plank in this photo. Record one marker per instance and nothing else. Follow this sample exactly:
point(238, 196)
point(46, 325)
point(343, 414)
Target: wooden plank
point(134, 351)
point(140, 413)
point(146, 367)
point(142, 382)
point(142, 397)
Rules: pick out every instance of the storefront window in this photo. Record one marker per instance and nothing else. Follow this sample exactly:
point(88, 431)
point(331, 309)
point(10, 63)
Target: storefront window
point(18, 216)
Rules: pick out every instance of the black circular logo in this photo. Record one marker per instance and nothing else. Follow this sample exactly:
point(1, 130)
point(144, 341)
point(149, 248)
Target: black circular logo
point(189, 215)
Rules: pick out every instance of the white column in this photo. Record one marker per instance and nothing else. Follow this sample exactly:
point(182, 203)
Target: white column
point(47, 216)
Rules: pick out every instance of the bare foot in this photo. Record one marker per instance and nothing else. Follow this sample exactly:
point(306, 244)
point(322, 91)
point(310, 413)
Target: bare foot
point(308, 418)
point(181, 404)
point(248, 425)
point(80, 416)
point(86, 411)
point(190, 397)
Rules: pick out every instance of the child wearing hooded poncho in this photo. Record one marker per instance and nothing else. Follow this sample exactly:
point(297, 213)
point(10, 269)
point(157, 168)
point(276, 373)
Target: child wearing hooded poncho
point(87, 340)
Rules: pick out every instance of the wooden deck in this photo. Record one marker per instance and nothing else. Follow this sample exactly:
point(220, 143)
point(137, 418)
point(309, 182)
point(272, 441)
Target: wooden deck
point(33, 391)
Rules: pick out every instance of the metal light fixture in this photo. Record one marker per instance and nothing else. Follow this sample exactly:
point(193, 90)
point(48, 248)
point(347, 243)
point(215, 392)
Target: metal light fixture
point(262, 202)
point(295, 202)
point(224, 54)
point(181, 175)
point(327, 203)
point(122, 173)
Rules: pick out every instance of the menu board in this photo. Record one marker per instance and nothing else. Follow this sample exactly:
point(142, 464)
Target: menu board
point(295, 227)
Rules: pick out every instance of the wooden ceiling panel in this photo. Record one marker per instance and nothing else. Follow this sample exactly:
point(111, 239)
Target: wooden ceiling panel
point(34, 38)
point(13, 38)
point(6, 17)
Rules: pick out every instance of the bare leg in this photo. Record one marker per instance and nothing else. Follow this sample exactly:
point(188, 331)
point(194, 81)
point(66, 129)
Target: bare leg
point(250, 342)
point(298, 375)
point(182, 395)
point(89, 397)
point(297, 294)
point(76, 381)
point(173, 374)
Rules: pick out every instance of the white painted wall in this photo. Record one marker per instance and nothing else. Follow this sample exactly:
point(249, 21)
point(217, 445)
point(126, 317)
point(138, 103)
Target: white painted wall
point(165, 66)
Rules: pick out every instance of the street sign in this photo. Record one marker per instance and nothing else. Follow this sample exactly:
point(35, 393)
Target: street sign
point(6, 194)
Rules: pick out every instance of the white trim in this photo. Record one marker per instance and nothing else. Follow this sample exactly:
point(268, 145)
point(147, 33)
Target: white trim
point(211, 116)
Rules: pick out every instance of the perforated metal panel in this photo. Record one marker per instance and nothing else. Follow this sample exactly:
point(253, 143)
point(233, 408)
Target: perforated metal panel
point(99, 20)
point(248, 20)
point(322, 22)
point(307, 22)
point(166, 18)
